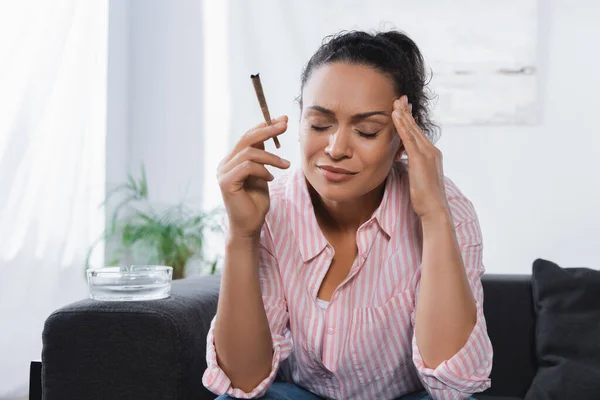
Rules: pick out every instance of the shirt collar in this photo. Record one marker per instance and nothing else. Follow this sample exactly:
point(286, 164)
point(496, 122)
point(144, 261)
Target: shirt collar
point(309, 237)
point(388, 212)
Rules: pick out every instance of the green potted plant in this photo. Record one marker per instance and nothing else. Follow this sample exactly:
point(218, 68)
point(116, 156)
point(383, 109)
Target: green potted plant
point(141, 234)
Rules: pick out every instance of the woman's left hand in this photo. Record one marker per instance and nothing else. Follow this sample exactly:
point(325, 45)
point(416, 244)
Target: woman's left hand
point(425, 169)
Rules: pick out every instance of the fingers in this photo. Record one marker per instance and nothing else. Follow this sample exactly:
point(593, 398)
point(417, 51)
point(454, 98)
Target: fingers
point(262, 132)
point(248, 158)
point(254, 155)
point(233, 180)
point(256, 136)
point(404, 130)
point(407, 127)
point(273, 122)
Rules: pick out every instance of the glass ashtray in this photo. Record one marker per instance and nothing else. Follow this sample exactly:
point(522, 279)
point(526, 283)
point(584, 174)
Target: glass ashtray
point(134, 283)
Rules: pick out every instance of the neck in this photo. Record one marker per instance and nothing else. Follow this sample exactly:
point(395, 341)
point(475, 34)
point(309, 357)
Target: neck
point(346, 216)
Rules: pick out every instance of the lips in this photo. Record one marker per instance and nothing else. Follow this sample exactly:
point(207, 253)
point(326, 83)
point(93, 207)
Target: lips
point(335, 174)
point(336, 169)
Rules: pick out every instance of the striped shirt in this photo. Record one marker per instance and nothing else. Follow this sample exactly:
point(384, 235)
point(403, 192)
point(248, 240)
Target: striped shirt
point(362, 345)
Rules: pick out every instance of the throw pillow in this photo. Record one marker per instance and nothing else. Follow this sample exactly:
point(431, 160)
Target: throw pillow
point(567, 303)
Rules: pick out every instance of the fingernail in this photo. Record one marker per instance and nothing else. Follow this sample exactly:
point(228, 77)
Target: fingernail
point(396, 114)
point(410, 107)
point(280, 124)
point(285, 162)
point(405, 100)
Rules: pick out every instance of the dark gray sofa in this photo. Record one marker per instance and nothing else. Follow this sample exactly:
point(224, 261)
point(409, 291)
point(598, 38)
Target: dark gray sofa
point(156, 350)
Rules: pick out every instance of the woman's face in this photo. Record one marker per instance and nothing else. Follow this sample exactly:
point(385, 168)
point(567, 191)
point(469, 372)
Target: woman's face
point(348, 140)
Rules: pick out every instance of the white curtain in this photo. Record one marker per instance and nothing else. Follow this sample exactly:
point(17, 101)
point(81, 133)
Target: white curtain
point(52, 166)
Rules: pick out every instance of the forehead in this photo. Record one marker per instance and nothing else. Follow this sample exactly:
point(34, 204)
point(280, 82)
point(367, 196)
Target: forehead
point(353, 87)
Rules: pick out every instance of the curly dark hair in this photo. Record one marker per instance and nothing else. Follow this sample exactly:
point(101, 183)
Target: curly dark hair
point(394, 54)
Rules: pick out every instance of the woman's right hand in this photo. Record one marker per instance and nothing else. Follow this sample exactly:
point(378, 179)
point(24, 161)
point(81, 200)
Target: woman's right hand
point(243, 178)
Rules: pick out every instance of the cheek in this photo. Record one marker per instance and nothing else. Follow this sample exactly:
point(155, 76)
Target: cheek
point(395, 142)
point(380, 152)
point(311, 144)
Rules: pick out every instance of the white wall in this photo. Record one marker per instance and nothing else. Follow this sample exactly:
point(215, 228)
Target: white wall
point(117, 110)
point(537, 189)
point(155, 111)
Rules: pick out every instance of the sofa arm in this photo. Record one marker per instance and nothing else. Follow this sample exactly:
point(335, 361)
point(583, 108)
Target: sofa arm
point(131, 350)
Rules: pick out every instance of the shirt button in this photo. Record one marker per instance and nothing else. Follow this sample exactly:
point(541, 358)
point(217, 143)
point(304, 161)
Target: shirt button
point(330, 331)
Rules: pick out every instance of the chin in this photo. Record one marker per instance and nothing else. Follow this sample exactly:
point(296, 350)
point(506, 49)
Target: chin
point(335, 191)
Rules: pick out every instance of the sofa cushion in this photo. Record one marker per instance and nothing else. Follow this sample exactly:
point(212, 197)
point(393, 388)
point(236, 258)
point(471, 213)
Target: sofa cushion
point(567, 304)
point(508, 308)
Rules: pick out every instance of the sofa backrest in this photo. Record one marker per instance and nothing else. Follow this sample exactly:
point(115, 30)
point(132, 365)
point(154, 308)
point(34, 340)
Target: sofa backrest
point(510, 316)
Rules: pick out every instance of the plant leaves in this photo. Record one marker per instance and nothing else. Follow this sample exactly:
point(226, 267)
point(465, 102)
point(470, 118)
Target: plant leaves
point(172, 237)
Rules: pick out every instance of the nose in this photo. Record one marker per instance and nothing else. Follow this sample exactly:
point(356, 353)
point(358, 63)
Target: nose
point(339, 145)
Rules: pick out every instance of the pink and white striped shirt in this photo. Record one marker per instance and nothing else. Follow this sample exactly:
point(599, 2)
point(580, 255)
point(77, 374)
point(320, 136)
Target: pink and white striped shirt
point(362, 346)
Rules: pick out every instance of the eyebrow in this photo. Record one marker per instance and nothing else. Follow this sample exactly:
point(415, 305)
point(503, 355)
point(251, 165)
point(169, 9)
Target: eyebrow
point(355, 116)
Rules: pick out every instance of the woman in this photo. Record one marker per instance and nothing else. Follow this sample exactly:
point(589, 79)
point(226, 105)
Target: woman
point(358, 275)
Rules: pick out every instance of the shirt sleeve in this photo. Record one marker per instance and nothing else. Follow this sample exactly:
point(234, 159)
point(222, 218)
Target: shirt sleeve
point(468, 371)
point(214, 378)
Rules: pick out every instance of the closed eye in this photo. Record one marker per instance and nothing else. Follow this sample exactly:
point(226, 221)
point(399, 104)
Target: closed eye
point(367, 135)
point(362, 134)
